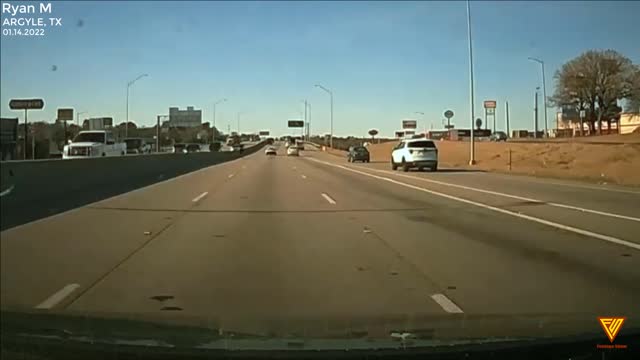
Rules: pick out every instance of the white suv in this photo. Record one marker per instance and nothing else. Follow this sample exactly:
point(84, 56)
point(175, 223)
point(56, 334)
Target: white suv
point(415, 153)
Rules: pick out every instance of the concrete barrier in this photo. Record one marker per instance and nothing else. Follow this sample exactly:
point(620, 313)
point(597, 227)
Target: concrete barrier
point(35, 189)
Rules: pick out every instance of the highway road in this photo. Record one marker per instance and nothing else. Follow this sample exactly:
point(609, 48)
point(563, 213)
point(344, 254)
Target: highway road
point(261, 243)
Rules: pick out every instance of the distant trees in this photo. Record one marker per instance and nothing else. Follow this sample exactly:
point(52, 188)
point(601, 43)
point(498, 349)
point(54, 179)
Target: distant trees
point(373, 133)
point(595, 82)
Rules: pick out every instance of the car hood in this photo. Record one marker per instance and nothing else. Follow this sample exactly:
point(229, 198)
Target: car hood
point(339, 332)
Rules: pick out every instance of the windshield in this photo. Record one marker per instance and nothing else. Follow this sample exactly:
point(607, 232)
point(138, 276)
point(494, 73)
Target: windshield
point(442, 171)
point(421, 144)
point(90, 137)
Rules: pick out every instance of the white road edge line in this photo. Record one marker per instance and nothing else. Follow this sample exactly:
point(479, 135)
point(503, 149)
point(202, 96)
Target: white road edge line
point(448, 305)
point(7, 191)
point(303, 176)
point(56, 298)
point(608, 238)
point(571, 207)
point(199, 197)
point(328, 198)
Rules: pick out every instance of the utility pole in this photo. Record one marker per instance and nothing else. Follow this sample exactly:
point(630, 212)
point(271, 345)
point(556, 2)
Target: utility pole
point(535, 112)
point(507, 117)
point(126, 125)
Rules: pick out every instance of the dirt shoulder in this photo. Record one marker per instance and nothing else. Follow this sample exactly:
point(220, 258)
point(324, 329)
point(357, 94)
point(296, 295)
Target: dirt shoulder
point(617, 163)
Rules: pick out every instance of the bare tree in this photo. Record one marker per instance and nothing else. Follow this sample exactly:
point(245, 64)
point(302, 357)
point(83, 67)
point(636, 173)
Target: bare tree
point(594, 82)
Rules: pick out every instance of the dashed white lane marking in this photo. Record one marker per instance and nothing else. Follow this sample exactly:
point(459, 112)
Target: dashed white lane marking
point(199, 197)
point(328, 198)
point(448, 305)
point(603, 213)
point(56, 298)
point(608, 238)
point(230, 176)
point(303, 176)
point(7, 191)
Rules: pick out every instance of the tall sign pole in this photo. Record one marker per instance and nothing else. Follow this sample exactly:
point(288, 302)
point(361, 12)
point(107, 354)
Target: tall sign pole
point(26, 104)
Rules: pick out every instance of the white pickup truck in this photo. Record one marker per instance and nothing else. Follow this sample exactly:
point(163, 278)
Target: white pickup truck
point(94, 143)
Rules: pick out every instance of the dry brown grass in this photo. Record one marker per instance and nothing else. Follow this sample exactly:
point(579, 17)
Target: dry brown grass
point(610, 163)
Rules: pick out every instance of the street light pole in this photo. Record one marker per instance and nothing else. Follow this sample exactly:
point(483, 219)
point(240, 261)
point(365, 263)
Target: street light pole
point(472, 154)
point(78, 117)
point(126, 125)
point(214, 116)
point(331, 100)
point(544, 94)
point(425, 124)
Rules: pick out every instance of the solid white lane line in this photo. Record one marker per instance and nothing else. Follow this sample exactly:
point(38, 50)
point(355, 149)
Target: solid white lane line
point(448, 305)
point(608, 238)
point(571, 207)
point(328, 198)
point(199, 197)
point(56, 298)
point(303, 176)
point(230, 176)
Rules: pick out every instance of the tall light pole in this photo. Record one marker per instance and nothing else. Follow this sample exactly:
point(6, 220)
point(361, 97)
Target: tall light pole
point(239, 113)
point(306, 123)
point(472, 154)
point(331, 99)
point(544, 94)
point(425, 124)
point(214, 116)
point(78, 117)
point(126, 125)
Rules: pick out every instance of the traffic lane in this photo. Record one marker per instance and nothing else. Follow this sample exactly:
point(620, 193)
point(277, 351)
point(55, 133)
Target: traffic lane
point(603, 223)
point(40, 258)
point(615, 199)
point(491, 262)
point(287, 255)
point(79, 245)
point(182, 192)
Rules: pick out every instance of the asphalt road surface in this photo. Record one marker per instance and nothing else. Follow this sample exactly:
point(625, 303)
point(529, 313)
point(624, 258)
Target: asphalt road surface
point(314, 237)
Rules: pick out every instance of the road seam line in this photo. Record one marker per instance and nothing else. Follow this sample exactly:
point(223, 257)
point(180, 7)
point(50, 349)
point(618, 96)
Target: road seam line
point(503, 211)
point(446, 304)
point(199, 197)
point(57, 297)
point(328, 198)
point(571, 207)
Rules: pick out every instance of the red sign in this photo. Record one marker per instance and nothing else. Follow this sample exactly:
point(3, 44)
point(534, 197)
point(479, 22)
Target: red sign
point(490, 104)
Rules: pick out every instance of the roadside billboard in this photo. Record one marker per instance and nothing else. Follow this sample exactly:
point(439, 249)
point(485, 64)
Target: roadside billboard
point(65, 114)
point(264, 133)
point(296, 123)
point(399, 134)
point(409, 124)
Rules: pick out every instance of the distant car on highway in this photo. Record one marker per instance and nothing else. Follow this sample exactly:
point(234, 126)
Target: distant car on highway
point(180, 148)
point(270, 150)
point(498, 136)
point(191, 148)
point(415, 153)
point(292, 150)
point(137, 146)
point(358, 153)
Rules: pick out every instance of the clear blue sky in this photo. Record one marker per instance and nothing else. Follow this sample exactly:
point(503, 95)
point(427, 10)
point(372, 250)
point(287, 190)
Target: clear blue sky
point(383, 60)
